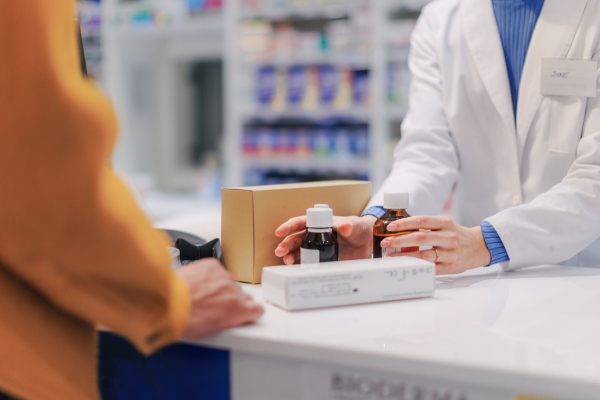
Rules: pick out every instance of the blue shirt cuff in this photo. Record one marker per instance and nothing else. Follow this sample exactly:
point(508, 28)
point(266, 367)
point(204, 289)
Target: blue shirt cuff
point(494, 244)
point(376, 211)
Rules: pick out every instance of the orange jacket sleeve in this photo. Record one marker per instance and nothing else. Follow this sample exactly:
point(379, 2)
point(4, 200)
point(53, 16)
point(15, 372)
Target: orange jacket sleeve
point(68, 226)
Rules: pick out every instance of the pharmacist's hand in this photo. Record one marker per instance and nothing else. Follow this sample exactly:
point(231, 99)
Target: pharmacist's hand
point(355, 238)
point(218, 302)
point(455, 248)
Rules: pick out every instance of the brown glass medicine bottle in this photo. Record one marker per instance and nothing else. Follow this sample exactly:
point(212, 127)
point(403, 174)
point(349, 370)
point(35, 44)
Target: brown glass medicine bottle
point(320, 243)
point(395, 205)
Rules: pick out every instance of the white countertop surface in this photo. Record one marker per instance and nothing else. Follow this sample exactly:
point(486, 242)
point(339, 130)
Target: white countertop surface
point(536, 329)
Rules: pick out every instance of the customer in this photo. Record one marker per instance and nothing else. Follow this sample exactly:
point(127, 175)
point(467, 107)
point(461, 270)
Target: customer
point(75, 250)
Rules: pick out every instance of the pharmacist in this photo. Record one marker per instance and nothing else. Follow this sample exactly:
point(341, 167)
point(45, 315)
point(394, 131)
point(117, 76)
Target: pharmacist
point(504, 108)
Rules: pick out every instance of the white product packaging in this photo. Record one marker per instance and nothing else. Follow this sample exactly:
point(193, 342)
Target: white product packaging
point(298, 287)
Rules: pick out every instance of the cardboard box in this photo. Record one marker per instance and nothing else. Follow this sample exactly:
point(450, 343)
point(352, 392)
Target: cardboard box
point(299, 287)
point(250, 216)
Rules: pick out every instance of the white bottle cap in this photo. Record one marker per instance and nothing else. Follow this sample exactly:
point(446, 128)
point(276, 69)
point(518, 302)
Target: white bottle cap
point(321, 206)
point(395, 200)
point(319, 217)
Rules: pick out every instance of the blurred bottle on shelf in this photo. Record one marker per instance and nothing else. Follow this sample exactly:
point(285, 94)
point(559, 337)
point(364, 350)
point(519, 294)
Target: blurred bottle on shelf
point(328, 82)
point(285, 145)
point(343, 97)
point(280, 96)
point(360, 87)
point(266, 83)
point(310, 99)
point(303, 145)
point(284, 40)
point(297, 83)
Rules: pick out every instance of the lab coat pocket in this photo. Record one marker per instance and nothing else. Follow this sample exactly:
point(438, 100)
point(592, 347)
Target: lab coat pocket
point(566, 123)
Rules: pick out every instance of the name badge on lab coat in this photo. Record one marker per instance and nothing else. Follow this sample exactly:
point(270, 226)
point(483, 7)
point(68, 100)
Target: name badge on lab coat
point(569, 77)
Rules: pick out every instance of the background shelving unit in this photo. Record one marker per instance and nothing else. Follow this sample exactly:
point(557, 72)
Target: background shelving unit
point(311, 89)
point(315, 89)
point(154, 57)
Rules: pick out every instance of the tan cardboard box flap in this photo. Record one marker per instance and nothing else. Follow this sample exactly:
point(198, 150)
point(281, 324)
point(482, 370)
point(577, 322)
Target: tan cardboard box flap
point(284, 186)
point(239, 244)
point(269, 207)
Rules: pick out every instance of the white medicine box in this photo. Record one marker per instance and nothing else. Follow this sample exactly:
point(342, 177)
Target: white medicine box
point(298, 287)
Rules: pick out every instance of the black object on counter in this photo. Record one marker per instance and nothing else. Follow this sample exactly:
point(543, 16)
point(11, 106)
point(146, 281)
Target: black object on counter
point(193, 248)
point(191, 252)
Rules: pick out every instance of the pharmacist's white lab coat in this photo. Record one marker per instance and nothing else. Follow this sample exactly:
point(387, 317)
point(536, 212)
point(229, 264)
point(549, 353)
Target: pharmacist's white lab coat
point(538, 184)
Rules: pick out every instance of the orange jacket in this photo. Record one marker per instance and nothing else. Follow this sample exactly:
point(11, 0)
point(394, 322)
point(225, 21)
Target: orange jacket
point(75, 250)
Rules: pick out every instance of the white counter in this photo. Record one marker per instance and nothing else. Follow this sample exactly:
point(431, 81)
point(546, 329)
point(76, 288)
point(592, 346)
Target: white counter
point(485, 334)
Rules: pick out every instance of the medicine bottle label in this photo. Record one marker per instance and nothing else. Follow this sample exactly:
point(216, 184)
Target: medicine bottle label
point(308, 256)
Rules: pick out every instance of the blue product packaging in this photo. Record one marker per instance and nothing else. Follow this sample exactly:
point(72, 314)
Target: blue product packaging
point(250, 141)
point(196, 5)
point(342, 143)
point(293, 133)
point(323, 143)
point(353, 142)
point(328, 81)
point(266, 142)
point(362, 143)
point(265, 85)
point(297, 83)
point(284, 144)
point(360, 86)
point(303, 143)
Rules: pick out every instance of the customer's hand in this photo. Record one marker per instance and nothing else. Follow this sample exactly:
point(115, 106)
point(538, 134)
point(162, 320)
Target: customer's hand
point(455, 248)
point(355, 238)
point(218, 302)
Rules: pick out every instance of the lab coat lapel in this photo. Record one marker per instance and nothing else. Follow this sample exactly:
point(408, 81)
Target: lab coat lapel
point(551, 38)
point(483, 39)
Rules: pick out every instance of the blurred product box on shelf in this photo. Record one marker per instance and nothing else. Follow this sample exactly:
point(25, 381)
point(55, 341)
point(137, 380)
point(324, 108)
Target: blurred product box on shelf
point(161, 13)
point(309, 88)
point(299, 150)
point(344, 36)
point(342, 141)
point(398, 37)
point(331, 284)
point(398, 84)
point(250, 216)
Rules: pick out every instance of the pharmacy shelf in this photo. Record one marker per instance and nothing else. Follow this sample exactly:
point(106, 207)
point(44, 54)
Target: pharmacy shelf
point(176, 40)
point(214, 23)
point(384, 25)
point(337, 60)
point(331, 11)
point(240, 114)
point(302, 164)
point(142, 66)
point(357, 114)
